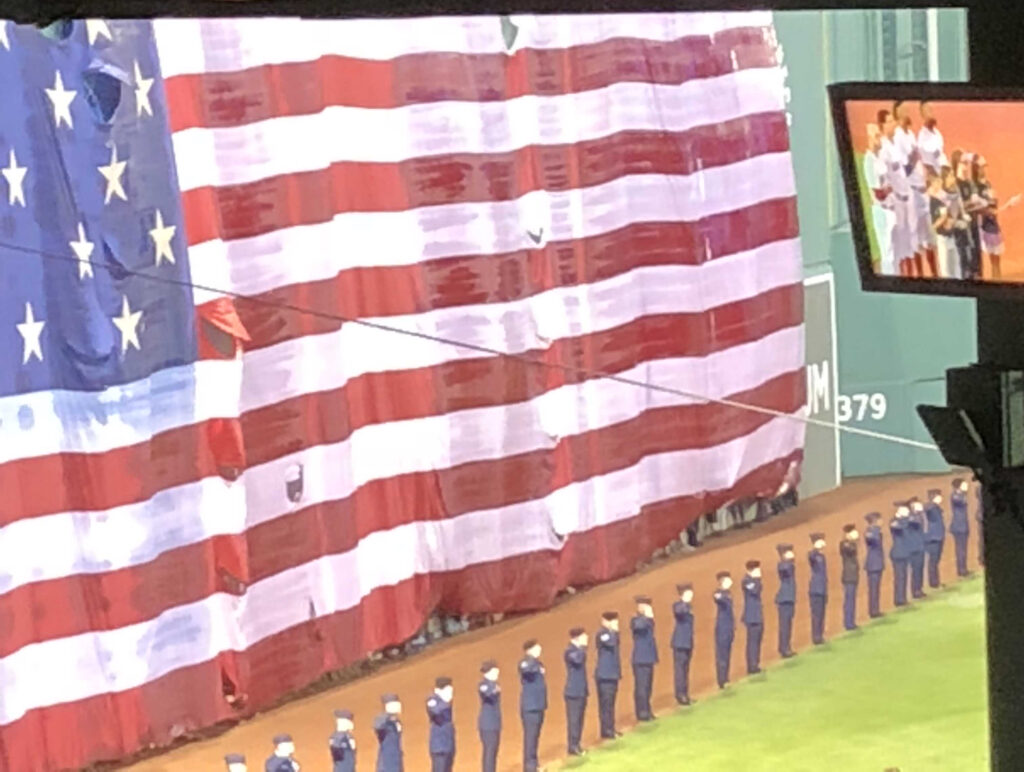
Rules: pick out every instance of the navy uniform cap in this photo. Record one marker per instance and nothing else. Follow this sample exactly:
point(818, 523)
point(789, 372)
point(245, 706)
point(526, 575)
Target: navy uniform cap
point(817, 537)
point(873, 517)
point(234, 758)
point(752, 564)
point(442, 682)
point(576, 632)
point(642, 600)
point(389, 698)
point(529, 644)
point(934, 492)
point(610, 616)
point(282, 738)
point(488, 665)
point(681, 588)
point(721, 575)
point(957, 482)
point(344, 714)
point(849, 528)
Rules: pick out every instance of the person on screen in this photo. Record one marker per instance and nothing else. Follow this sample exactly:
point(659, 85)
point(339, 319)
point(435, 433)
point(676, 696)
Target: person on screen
point(883, 201)
point(961, 224)
point(896, 169)
point(922, 237)
point(973, 205)
point(988, 218)
point(943, 222)
point(930, 143)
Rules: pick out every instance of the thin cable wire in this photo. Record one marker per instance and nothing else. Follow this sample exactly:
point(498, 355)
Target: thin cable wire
point(572, 369)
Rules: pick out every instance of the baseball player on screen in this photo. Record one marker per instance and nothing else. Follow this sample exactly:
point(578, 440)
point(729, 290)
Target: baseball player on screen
point(922, 236)
point(883, 201)
point(896, 176)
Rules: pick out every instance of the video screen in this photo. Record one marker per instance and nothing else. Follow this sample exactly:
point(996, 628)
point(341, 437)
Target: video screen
point(941, 187)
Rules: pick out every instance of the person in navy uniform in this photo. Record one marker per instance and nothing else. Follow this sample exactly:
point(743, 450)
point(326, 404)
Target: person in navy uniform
point(342, 744)
point(682, 642)
point(818, 589)
point(959, 525)
point(874, 563)
point(533, 702)
point(442, 727)
point(645, 657)
point(388, 728)
point(608, 673)
point(235, 762)
point(576, 689)
point(899, 553)
point(915, 540)
point(785, 599)
point(281, 760)
point(979, 516)
point(753, 615)
point(489, 721)
point(850, 574)
point(725, 628)
point(934, 536)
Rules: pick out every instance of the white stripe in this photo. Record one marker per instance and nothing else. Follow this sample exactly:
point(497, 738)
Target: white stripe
point(303, 143)
point(192, 46)
point(374, 239)
point(83, 666)
point(95, 542)
point(86, 422)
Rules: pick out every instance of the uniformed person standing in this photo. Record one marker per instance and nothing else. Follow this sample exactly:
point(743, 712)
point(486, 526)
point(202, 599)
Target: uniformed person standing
point(899, 554)
point(682, 642)
point(608, 673)
point(753, 615)
point(388, 728)
point(489, 721)
point(979, 517)
point(785, 599)
point(725, 628)
point(959, 525)
point(533, 702)
point(850, 575)
point(281, 760)
point(442, 726)
point(934, 536)
point(342, 744)
point(645, 657)
point(576, 689)
point(874, 563)
point(818, 590)
point(915, 539)
point(235, 762)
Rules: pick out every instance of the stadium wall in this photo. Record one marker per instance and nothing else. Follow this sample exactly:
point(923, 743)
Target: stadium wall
point(892, 351)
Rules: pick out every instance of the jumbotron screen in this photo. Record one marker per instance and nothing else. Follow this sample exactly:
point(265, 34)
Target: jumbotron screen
point(935, 186)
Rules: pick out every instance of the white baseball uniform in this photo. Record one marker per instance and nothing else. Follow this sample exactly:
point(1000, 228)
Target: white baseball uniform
point(896, 175)
point(883, 215)
point(922, 233)
point(931, 146)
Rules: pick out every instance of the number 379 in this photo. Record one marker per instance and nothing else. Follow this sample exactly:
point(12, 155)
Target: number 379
point(857, 407)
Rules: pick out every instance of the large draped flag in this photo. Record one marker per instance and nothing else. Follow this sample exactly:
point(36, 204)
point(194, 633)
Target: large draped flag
point(217, 485)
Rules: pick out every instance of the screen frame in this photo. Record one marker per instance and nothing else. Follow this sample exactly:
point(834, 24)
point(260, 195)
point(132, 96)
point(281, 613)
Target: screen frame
point(839, 94)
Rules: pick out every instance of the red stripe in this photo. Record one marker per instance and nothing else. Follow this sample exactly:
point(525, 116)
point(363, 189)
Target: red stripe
point(224, 99)
point(111, 726)
point(104, 480)
point(307, 198)
point(368, 293)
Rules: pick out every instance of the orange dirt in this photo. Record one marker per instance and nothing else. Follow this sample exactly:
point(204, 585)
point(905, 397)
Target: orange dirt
point(310, 720)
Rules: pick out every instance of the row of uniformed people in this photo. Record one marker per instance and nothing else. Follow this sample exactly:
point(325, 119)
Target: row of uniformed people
point(917, 531)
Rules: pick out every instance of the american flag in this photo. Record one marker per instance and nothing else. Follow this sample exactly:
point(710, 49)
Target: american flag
point(207, 493)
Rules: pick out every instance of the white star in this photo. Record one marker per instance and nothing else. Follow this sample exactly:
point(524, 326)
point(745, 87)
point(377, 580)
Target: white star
point(142, 87)
point(112, 174)
point(83, 251)
point(30, 331)
point(61, 100)
point(95, 28)
point(15, 176)
point(4, 40)
point(162, 236)
point(128, 324)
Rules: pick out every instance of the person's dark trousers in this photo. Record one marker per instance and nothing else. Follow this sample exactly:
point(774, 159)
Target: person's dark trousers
point(575, 708)
point(818, 618)
point(643, 683)
point(442, 762)
point(723, 653)
point(960, 546)
point(681, 663)
point(606, 693)
point(490, 739)
point(917, 575)
point(874, 594)
point(533, 720)
point(786, 612)
point(899, 577)
point(934, 552)
point(754, 635)
point(850, 606)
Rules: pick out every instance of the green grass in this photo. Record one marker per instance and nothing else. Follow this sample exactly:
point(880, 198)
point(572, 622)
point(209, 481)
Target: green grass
point(865, 199)
point(906, 691)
